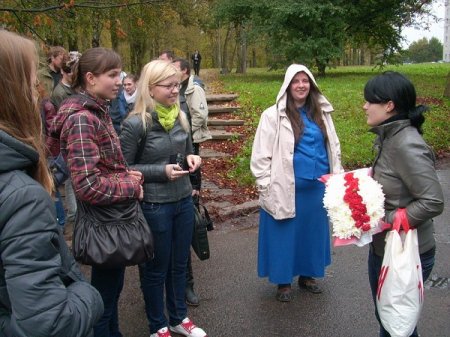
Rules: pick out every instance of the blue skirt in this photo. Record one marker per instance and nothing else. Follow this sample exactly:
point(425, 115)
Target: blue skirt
point(296, 246)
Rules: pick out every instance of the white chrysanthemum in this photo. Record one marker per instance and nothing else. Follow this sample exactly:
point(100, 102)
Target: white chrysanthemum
point(339, 211)
point(373, 197)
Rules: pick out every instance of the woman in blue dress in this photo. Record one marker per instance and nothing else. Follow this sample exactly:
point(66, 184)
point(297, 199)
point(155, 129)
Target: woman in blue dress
point(295, 144)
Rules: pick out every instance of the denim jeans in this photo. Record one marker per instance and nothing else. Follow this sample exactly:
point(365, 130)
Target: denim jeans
point(61, 217)
point(172, 226)
point(375, 262)
point(109, 283)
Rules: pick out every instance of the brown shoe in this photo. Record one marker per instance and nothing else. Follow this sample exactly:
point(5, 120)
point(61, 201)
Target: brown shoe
point(284, 293)
point(309, 284)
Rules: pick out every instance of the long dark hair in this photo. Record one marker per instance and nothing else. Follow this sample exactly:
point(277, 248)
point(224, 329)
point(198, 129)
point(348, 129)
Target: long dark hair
point(314, 111)
point(395, 87)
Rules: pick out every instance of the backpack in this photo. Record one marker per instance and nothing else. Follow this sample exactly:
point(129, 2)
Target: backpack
point(199, 82)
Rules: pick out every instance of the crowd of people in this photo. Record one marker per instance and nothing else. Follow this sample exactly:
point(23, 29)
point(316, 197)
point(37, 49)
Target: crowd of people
point(126, 137)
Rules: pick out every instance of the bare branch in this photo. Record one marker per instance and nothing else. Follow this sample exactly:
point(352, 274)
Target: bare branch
point(29, 27)
point(81, 5)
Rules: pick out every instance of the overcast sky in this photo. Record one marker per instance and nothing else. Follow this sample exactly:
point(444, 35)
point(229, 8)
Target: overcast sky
point(436, 29)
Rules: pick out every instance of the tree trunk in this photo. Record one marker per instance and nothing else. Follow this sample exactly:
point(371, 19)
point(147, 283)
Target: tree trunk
point(138, 46)
point(73, 43)
point(224, 64)
point(232, 57)
point(114, 37)
point(95, 41)
point(354, 57)
point(345, 57)
point(216, 43)
point(321, 66)
point(96, 29)
point(133, 58)
point(140, 57)
point(72, 40)
point(447, 86)
point(241, 41)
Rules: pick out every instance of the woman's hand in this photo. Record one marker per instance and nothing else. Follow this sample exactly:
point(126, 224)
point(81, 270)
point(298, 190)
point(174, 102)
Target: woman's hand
point(137, 175)
point(141, 193)
point(174, 171)
point(194, 162)
point(140, 179)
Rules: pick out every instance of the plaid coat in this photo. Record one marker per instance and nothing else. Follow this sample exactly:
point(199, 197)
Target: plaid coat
point(92, 151)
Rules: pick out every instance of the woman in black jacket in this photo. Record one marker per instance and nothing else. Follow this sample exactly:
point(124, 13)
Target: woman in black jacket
point(42, 291)
point(404, 166)
point(156, 141)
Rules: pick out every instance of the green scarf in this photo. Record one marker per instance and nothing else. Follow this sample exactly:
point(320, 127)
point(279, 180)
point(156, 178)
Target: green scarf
point(167, 115)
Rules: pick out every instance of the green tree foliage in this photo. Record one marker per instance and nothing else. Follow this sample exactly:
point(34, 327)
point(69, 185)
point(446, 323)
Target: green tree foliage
point(138, 29)
point(378, 24)
point(311, 32)
point(425, 50)
point(234, 17)
point(436, 49)
point(315, 32)
point(318, 33)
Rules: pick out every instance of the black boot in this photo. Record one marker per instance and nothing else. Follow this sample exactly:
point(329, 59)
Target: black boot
point(191, 296)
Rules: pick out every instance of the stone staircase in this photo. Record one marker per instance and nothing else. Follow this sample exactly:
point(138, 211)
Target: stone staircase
point(222, 118)
point(222, 122)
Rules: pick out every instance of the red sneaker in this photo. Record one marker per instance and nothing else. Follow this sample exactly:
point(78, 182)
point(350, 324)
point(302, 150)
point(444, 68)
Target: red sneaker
point(188, 329)
point(164, 332)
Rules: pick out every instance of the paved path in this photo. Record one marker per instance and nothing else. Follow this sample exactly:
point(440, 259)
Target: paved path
point(235, 302)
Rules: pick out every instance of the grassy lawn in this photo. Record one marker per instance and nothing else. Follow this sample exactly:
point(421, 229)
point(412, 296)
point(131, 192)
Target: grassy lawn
point(344, 88)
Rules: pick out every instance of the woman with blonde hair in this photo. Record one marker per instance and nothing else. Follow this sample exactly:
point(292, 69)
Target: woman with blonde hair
point(156, 141)
point(42, 291)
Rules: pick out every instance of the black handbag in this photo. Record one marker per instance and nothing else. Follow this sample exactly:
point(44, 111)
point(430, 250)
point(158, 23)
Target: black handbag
point(202, 222)
point(111, 236)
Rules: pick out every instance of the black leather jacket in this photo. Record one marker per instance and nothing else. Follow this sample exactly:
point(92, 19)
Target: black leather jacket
point(160, 148)
point(405, 168)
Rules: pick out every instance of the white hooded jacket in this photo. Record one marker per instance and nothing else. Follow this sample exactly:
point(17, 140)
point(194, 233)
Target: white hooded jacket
point(273, 151)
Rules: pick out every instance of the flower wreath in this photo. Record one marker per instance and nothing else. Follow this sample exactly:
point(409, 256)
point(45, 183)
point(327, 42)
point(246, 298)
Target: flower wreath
point(355, 205)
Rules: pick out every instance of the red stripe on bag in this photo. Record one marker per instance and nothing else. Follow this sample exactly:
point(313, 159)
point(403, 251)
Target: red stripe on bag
point(383, 273)
point(420, 286)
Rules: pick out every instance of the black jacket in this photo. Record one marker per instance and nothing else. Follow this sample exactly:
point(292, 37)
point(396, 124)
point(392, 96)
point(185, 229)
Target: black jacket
point(404, 167)
point(160, 148)
point(42, 291)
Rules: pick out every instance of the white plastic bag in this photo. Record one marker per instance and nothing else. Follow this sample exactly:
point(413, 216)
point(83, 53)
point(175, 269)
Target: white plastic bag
point(400, 285)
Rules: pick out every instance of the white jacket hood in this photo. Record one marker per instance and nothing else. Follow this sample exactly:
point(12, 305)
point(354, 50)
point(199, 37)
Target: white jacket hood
point(291, 71)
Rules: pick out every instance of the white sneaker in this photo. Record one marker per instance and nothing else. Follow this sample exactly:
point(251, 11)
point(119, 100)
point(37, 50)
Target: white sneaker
point(188, 329)
point(164, 332)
